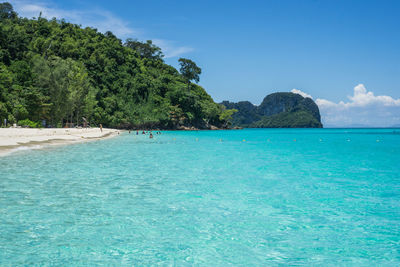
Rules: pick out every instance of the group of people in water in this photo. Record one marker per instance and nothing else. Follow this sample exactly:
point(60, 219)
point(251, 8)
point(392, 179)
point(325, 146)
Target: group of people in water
point(147, 132)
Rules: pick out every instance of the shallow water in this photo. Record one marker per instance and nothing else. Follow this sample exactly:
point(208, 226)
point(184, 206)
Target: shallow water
point(248, 197)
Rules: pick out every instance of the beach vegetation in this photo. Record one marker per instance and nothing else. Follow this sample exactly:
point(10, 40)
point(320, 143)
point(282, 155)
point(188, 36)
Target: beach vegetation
point(226, 115)
point(28, 123)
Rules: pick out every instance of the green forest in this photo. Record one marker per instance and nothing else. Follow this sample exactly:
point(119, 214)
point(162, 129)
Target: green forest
point(61, 73)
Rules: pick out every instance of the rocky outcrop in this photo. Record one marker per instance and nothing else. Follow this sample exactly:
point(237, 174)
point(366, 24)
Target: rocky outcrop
point(277, 110)
point(247, 112)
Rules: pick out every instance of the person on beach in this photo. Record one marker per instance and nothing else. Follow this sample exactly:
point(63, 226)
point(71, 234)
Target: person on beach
point(101, 127)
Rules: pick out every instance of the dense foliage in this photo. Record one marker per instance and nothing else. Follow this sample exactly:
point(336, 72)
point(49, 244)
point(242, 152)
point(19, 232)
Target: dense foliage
point(60, 72)
point(278, 110)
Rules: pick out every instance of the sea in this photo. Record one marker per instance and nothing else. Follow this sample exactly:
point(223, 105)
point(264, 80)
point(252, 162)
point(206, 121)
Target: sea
point(252, 197)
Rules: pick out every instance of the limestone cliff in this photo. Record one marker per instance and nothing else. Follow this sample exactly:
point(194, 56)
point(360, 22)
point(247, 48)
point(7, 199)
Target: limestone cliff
point(277, 110)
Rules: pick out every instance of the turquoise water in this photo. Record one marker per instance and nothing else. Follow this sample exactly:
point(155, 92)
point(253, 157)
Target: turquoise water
point(270, 197)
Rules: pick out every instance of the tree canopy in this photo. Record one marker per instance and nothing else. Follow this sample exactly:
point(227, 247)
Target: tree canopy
point(145, 50)
point(189, 70)
point(7, 11)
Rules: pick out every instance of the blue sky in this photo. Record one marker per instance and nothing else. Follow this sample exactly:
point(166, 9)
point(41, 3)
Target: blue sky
point(344, 54)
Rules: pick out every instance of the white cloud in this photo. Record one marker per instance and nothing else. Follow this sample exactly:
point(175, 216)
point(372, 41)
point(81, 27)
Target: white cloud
point(361, 98)
point(96, 18)
point(363, 108)
point(296, 91)
point(170, 49)
point(100, 19)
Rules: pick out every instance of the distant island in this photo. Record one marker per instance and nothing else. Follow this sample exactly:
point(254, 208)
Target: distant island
point(277, 110)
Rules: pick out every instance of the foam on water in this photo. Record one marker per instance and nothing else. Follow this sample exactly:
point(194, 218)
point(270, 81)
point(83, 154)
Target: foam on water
point(22, 148)
point(249, 197)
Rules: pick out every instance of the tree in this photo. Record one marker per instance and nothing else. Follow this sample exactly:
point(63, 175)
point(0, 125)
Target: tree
point(226, 116)
point(52, 79)
point(5, 85)
point(66, 84)
point(189, 70)
point(145, 50)
point(7, 11)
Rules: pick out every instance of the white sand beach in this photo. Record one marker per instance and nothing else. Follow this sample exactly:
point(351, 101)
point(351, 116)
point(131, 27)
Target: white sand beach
point(14, 139)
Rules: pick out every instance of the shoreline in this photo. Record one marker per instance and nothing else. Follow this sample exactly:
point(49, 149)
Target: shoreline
point(17, 139)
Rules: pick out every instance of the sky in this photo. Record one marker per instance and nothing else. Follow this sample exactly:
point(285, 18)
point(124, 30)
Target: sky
point(345, 54)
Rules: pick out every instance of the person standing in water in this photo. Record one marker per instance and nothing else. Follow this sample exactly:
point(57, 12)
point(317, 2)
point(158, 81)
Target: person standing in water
point(151, 135)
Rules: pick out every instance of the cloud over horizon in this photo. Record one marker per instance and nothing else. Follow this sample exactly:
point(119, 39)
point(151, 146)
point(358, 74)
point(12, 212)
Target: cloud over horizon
point(97, 18)
point(364, 108)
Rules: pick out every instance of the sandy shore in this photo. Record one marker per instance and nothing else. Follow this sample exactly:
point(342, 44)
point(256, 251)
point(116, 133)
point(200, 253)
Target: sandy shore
point(14, 139)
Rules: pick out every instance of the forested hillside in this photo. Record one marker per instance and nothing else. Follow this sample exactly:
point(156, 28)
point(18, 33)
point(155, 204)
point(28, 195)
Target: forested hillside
point(277, 110)
point(59, 72)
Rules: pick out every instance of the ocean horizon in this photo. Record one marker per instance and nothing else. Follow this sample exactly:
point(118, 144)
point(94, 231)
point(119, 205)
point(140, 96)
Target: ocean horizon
point(326, 197)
